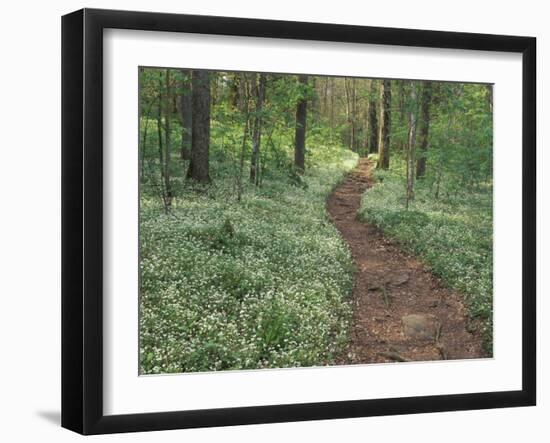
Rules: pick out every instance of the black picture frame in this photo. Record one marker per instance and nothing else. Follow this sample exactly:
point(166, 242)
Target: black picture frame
point(82, 215)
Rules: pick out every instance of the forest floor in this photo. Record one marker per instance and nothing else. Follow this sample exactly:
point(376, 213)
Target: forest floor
point(401, 311)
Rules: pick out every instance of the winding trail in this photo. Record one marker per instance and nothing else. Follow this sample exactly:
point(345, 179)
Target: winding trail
point(401, 310)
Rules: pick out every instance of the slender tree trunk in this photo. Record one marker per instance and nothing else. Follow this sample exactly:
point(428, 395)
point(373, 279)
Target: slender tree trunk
point(142, 156)
point(144, 141)
point(325, 98)
point(200, 140)
point(301, 118)
point(186, 113)
point(167, 143)
point(234, 90)
point(366, 130)
point(315, 111)
point(384, 131)
point(411, 145)
point(373, 120)
point(439, 174)
point(242, 93)
point(349, 88)
point(401, 103)
point(332, 120)
point(354, 137)
point(163, 194)
point(141, 106)
point(424, 128)
point(259, 92)
point(244, 88)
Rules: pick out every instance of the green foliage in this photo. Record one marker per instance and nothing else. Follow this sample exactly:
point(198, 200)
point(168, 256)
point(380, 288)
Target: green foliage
point(460, 152)
point(453, 235)
point(238, 276)
point(449, 222)
point(260, 283)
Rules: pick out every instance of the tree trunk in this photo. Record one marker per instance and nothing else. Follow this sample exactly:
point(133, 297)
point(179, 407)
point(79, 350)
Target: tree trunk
point(186, 113)
point(315, 101)
point(349, 88)
point(145, 115)
point(243, 82)
point(332, 119)
point(402, 105)
point(163, 195)
point(301, 118)
point(259, 92)
point(234, 90)
point(411, 145)
point(325, 98)
point(167, 143)
point(242, 94)
point(354, 137)
point(424, 128)
point(384, 131)
point(373, 120)
point(439, 174)
point(200, 140)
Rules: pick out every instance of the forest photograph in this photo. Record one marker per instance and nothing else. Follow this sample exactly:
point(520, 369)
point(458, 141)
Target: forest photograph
point(293, 220)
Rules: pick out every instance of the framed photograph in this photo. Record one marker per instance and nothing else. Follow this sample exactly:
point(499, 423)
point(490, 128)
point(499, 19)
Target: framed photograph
point(269, 221)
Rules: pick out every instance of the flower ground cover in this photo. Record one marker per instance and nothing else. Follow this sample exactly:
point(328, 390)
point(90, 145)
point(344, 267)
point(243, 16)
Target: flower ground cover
point(261, 283)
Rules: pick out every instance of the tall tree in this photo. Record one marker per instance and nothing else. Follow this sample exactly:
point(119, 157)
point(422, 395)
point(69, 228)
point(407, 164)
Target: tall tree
point(425, 104)
point(186, 113)
point(145, 105)
point(332, 100)
point(243, 86)
point(259, 92)
point(411, 144)
point(372, 133)
point(167, 144)
point(200, 139)
point(164, 194)
point(315, 108)
point(385, 122)
point(301, 118)
point(402, 100)
point(234, 90)
point(325, 95)
point(351, 111)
